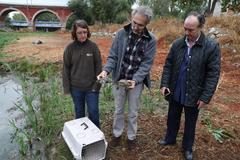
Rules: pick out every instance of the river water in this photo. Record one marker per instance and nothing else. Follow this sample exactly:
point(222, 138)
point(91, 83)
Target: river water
point(10, 94)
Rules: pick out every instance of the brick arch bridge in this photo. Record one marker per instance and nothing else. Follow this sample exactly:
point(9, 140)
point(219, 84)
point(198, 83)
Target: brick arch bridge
point(30, 12)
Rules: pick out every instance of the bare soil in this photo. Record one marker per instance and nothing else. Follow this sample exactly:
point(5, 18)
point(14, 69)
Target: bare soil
point(224, 109)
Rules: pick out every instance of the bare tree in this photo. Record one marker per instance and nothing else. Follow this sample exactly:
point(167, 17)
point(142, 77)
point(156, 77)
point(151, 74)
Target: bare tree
point(211, 6)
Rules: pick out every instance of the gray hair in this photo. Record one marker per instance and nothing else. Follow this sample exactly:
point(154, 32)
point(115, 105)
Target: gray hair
point(143, 10)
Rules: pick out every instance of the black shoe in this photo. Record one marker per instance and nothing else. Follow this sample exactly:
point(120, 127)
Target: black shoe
point(131, 144)
point(188, 155)
point(115, 141)
point(165, 143)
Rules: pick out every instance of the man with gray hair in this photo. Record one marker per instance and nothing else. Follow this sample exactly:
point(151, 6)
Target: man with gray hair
point(130, 60)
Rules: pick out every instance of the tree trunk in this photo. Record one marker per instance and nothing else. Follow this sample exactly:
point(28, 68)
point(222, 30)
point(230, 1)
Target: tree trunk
point(207, 12)
point(213, 6)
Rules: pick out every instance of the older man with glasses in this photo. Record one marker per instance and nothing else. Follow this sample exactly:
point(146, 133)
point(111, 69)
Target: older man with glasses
point(130, 59)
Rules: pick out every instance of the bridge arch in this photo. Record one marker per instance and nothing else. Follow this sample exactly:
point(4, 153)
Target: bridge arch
point(30, 12)
point(42, 11)
point(67, 18)
point(5, 11)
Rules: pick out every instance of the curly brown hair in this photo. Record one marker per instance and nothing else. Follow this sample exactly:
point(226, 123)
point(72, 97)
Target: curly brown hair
point(79, 23)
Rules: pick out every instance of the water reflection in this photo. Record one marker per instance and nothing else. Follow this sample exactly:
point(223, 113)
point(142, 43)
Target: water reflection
point(10, 93)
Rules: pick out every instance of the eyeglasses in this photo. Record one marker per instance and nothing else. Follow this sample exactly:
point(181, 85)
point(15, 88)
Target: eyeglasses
point(138, 24)
point(189, 29)
point(82, 32)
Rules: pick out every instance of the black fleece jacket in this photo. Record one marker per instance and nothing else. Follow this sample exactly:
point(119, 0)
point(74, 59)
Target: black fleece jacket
point(81, 65)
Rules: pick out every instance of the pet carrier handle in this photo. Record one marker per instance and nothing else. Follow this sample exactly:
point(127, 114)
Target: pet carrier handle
point(84, 124)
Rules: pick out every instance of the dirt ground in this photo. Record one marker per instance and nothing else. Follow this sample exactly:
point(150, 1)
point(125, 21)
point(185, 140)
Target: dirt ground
point(223, 111)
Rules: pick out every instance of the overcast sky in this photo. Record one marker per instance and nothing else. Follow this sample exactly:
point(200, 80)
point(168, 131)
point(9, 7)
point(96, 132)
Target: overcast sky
point(37, 2)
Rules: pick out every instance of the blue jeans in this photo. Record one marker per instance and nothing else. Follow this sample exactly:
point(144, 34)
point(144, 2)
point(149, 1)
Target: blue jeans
point(92, 99)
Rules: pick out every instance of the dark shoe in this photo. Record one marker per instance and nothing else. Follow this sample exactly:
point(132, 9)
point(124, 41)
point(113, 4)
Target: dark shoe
point(165, 143)
point(131, 144)
point(115, 141)
point(188, 155)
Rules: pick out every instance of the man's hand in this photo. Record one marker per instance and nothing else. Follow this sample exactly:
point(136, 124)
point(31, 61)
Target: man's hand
point(165, 91)
point(132, 83)
point(103, 74)
point(201, 104)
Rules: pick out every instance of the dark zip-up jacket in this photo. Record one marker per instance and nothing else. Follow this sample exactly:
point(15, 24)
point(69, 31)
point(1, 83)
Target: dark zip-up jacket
point(203, 69)
point(82, 64)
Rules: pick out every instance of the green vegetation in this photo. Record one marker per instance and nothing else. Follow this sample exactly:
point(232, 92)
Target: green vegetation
point(6, 38)
point(45, 112)
point(102, 11)
point(41, 72)
point(46, 108)
point(47, 16)
point(180, 8)
point(151, 99)
point(18, 17)
point(106, 101)
point(218, 133)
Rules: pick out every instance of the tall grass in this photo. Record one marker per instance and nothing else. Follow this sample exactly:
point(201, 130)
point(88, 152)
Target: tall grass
point(106, 101)
point(41, 72)
point(45, 112)
point(47, 108)
point(5, 39)
point(152, 99)
point(55, 109)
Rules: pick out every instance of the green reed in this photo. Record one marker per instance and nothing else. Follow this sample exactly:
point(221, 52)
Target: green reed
point(151, 99)
point(218, 133)
point(45, 108)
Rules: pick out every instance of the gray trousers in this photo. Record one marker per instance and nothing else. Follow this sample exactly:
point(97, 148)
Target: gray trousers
point(121, 95)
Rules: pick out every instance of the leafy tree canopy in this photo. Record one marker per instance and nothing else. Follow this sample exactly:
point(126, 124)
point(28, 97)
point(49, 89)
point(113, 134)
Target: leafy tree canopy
point(180, 8)
point(18, 17)
point(47, 16)
point(103, 11)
